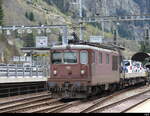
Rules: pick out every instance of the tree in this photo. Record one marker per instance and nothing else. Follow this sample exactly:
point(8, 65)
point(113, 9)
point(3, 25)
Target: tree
point(30, 16)
point(26, 14)
point(1, 13)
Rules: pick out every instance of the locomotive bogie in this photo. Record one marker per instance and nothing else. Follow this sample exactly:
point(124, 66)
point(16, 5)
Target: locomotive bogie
point(69, 89)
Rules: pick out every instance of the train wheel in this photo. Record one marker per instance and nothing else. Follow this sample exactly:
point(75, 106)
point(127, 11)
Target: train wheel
point(89, 92)
point(121, 85)
point(146, 82)
point(113, 87)
point(95, 90)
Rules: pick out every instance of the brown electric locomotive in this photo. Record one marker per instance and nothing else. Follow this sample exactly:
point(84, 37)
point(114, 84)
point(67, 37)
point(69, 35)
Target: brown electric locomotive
point(81, 70)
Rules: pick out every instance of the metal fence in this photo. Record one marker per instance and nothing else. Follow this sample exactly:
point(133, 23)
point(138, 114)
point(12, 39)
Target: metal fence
point(9, 70)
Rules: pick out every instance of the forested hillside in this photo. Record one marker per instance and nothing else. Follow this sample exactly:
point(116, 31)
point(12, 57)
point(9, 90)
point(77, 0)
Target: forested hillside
point(55, 12)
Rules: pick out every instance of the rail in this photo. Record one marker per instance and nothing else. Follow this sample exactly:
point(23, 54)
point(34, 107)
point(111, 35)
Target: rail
point(101, 101)
point(124, 104)
point(26, 103)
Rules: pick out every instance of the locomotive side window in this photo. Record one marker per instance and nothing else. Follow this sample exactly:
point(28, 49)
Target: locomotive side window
point(57, 58)
point(84, 57)
point(107, 58)
point(93, 57)
point(114, 63)
point(126, 63)
point(100, 58)
point(70, 57)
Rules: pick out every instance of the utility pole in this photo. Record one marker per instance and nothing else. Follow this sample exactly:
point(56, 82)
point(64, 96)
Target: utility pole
point(105, 14)
point(81, 16)
point(79, 3)
point(145, 42)
point(147, 34)
point(64, 37)
point(115, 37)
point(147, 37)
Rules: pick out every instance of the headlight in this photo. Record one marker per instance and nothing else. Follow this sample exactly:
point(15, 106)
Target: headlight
point(82, 72)
point(54, 72)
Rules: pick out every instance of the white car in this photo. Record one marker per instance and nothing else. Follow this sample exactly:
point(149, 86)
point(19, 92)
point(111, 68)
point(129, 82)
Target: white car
point(129, 66)
point(140, 67)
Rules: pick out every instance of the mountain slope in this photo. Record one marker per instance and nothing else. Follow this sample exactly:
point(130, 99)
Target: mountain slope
point(15, 13)
point(63, 12)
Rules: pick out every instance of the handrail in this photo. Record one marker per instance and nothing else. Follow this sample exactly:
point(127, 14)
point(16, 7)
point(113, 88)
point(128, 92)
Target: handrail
point(8, 71)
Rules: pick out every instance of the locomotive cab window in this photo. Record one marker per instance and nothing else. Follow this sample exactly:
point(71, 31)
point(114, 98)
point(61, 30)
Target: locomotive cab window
point(57, 58)
point(84, 57)
point(126, 63)
point(70, 57)
point(93, 57)
point(114, 63)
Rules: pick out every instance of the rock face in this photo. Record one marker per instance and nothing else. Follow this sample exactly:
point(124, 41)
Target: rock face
point(105, 7)
point(112, 7)
point(44, 14)
point(52, 12)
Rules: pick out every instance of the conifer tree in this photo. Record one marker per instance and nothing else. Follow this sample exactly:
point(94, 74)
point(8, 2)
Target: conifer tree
point(1, 13)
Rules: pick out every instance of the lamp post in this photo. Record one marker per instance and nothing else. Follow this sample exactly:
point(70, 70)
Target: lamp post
point(81, 16)
point(115, 33)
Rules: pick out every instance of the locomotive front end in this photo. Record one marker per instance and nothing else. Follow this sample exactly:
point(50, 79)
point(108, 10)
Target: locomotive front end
point(69, 73)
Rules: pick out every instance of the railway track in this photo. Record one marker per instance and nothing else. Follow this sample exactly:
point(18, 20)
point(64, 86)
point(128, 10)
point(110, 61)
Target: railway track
point(37, 104)
point(49, 106)
point(10, 100)
point(101, 101)
point(40, 106)
point(124, 104)
point(22, 102)
point(58, 108)
point(45, 104)
point(135, 105)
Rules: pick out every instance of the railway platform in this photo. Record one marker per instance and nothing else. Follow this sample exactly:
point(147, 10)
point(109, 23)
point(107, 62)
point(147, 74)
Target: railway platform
point(18, 80)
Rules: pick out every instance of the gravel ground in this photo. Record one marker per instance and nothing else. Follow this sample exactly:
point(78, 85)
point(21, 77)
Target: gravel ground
point(141, 108)
point(83, 106)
